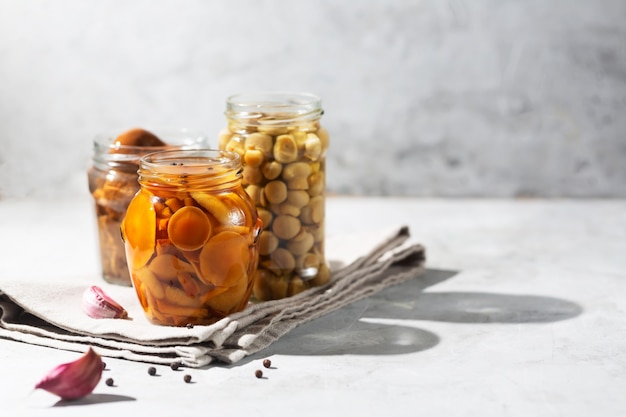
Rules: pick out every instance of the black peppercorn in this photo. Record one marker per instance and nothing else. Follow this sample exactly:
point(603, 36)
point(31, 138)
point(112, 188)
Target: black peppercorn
point(109, 382)
point(187, 378)
point(267, 363)
point(104, 365)
point(258, 373)
point(175, 366)
point(152, 370)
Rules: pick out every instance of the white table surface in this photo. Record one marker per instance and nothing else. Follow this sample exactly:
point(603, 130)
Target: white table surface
point(521, 312)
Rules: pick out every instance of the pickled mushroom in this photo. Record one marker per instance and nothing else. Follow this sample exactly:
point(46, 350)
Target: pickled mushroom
point(139, 230)
point(167, 266)
point(231, 299)
point(224, 259)
point(189, 228)
point(136, 137)
point(213, 205)
point(150, 282)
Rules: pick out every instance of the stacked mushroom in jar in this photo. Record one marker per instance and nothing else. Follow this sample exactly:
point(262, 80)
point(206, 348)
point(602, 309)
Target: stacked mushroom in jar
point(283, 148)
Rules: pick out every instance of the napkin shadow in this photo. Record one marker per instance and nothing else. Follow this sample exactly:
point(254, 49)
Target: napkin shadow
point(94, 399)
point(342, 332)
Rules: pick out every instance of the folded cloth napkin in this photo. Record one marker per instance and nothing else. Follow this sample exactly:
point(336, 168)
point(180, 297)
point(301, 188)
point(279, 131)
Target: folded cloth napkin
point(46, 313)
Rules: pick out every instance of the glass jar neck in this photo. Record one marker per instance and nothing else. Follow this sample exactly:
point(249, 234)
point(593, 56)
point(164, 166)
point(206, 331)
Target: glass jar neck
point(121, 158)
point(273, 109)
point(190, 170)
point(109, 154)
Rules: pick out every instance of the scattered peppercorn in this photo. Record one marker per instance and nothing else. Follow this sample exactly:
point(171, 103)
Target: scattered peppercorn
point(187, 378)
point(109, 382)
point(175, 366)
point(104, 365)
point(258, 373)
point(152, 370)
point(267, 363)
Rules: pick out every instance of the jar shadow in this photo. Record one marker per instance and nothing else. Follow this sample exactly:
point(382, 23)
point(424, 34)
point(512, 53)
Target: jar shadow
point(407, 302)
point(344, 332)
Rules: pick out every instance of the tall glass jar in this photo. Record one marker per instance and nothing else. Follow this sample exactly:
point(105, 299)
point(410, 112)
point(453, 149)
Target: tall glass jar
point(283, 147)
point(191, 237)
point(112, 180)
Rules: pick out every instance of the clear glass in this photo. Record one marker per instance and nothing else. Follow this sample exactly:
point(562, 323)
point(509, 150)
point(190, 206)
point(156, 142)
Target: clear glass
point(191, 237)
point(112, 180)
point(283, 148)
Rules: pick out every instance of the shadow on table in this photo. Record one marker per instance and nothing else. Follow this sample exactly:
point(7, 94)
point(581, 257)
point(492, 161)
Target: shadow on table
point(469, 307)
point(343, 331)
point(94, 399)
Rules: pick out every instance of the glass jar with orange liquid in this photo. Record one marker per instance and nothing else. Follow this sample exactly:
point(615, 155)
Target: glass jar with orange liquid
point(191, 237)
point(112, 179)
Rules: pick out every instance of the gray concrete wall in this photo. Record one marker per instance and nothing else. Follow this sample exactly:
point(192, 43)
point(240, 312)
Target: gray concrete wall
point(422, 97)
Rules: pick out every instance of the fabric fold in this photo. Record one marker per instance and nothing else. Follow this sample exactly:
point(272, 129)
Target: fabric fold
point(39, 312)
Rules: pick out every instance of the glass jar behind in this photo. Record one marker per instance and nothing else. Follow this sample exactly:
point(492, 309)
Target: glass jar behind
point(191, 237)
point(283, 147)
point(112, 180)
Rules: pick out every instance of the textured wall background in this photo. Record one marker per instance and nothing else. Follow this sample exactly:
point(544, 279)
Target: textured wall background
point(422, 97)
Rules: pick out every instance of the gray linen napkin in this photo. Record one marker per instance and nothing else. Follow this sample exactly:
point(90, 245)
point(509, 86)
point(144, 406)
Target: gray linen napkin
point(48, 312)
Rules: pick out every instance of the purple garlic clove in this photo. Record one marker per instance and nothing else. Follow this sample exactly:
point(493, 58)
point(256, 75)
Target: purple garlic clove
point(100, 306)
point(74, 380)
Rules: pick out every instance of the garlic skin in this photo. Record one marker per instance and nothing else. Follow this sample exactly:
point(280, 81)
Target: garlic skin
point(74, 380)
point(97, 304)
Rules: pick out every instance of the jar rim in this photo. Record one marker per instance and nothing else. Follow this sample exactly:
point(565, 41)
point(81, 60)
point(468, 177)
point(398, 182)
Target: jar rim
point(273, 107)
point(195, 168)
point(177, 158)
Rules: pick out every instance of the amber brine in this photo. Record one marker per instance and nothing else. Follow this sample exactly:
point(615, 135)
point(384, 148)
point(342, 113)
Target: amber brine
point(191, 237)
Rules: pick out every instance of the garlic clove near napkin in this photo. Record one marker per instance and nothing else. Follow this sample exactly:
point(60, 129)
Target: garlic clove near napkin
point(97, 304)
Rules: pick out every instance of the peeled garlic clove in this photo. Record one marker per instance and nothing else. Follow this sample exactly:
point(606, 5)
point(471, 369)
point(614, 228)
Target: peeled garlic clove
point(100, 306)
point(74, 380)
